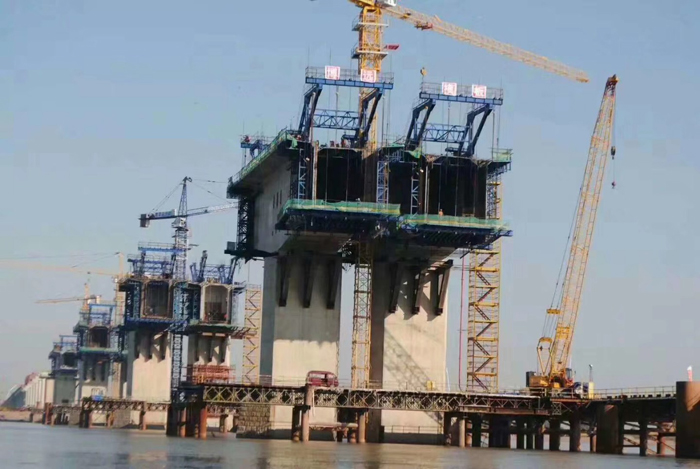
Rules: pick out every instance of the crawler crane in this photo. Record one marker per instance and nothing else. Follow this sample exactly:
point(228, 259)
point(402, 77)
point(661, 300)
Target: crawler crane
point(554, 347)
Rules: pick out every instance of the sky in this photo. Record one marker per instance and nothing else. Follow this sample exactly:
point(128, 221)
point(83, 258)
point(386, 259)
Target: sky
point(105, 106)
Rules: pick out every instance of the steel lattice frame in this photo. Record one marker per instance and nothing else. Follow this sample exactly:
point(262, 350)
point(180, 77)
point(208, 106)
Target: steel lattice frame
point(483, 317)
point(251, 342)
point(361, 317)
point(370, 53)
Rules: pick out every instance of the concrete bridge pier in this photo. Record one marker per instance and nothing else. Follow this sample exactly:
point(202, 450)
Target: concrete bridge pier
point(687, 419)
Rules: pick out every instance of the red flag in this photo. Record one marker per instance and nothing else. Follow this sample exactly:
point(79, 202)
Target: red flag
point(391, 47)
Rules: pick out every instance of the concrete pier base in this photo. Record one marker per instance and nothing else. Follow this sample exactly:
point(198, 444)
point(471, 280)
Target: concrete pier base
point(688, 419)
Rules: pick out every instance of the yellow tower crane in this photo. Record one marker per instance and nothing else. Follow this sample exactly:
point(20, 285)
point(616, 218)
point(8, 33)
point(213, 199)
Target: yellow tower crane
point(370, 50)
point(484, 265)
point(554, 347)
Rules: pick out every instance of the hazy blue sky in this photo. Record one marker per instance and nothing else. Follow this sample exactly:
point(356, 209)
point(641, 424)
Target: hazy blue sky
point(106, 105)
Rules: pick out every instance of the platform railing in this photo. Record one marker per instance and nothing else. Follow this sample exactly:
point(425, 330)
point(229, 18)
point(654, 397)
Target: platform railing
point(635, 392)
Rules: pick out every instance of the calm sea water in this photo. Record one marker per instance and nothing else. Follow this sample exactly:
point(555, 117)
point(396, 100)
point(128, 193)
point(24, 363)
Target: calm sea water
point(32, 445)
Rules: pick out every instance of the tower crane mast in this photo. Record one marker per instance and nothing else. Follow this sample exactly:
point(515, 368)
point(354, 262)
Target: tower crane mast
point(554, 347)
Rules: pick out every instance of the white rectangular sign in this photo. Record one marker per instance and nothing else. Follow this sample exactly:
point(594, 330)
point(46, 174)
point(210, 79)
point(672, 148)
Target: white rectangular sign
point(332, 72)
point(479, 91)
point(449, 89)
point(368, 76)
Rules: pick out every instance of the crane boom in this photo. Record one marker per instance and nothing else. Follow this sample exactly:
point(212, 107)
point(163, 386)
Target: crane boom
point(433, 23)
point(554, 347)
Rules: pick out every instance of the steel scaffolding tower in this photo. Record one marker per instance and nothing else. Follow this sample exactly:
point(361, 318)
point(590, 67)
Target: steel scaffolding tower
point(361, 317)
point(483, 315)
point(251, 342)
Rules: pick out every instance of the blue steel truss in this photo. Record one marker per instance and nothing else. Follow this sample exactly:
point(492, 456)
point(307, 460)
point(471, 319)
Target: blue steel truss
point(419, 123)
point(336, 119)
point(465, 136)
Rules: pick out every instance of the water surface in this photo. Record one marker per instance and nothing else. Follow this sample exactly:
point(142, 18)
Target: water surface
point(32, 445)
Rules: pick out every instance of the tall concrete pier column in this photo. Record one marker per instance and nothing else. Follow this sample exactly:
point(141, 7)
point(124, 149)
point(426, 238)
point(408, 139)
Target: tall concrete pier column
point(688, 419)
point(608, 430)
point(575, 434)
point(462, 424)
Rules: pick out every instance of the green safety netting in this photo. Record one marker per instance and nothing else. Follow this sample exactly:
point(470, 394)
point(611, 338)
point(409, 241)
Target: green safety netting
point(503, 156)
point(447, 220)
point(284, 135)
point(354, 207)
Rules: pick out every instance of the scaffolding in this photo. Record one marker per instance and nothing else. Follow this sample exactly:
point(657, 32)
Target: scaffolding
point(251, 342)
point(361, 317)
point(483, 317)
